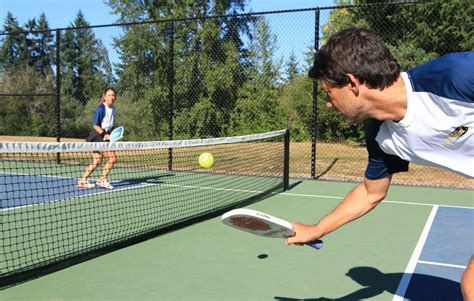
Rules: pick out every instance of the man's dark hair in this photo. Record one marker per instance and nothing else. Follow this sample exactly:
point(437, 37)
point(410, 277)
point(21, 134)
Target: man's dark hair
point(360, 52)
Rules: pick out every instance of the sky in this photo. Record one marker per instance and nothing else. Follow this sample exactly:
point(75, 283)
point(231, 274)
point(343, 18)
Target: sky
point(61, 13)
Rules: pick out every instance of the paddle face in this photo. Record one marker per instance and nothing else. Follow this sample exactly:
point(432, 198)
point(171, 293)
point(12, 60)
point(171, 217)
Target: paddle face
point(116, 134)
point(262, 224)
point(257, 223)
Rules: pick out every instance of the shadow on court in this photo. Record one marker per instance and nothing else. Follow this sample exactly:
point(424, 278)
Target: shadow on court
point(293, 185)
point(422, 287)
point(156, 179)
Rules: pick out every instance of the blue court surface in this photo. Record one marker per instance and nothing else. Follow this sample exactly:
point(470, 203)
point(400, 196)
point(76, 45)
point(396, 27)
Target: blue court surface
point(27, 190)
point(443, 250)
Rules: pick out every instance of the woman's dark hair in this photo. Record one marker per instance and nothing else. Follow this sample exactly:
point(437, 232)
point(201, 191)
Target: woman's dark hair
point(360, 52)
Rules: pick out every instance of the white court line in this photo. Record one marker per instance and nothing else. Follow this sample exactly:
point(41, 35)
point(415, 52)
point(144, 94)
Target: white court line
point(312, 195)
point(33, 175)
point(133, 187)
point(403, 285)
point(257, 191)
point(241, 190)
point(72, 198)
point(384, 201)
point(442, 264)
point(302, 195)
point(205, 188)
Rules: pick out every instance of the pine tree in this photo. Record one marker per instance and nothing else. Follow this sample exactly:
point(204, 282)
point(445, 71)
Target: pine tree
point(85, 71)
point(257, 108)
point(43, 46)
point(11, 46)
point(86, 66)
point(292, 68)
point(207, 63)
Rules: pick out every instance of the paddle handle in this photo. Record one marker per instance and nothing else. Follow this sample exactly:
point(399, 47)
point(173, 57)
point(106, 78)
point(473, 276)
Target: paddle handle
point(317, 244)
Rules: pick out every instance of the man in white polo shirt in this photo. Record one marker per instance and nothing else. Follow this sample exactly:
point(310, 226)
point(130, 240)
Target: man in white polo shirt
point(424, 115)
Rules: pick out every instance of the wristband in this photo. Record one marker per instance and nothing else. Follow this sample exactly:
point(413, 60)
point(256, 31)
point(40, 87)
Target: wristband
point(103, 134)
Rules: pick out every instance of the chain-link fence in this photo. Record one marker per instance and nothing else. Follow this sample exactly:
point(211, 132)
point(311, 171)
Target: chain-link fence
point(218, 76)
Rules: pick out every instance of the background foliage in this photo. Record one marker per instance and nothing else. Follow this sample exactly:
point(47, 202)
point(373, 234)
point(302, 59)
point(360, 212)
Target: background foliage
point(224, 74)
point(196, 69)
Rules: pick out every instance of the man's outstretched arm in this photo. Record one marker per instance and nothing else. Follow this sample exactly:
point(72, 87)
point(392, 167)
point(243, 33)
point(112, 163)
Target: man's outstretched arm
point(361, 200)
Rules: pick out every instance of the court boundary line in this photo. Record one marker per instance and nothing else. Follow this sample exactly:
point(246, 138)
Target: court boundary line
point(384, 201)
point(33, 175)
point(73, 198)
point(236, 190)
point(140, 185)
point(204, 187)
point(242, 190)
point(442, 264)
point(415, 256)
point(302, 195)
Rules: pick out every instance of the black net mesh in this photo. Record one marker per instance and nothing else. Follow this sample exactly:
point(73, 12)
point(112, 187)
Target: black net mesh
point(46, 218)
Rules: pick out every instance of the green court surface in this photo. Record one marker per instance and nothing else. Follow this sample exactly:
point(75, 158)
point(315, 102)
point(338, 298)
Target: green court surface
point(209, 261)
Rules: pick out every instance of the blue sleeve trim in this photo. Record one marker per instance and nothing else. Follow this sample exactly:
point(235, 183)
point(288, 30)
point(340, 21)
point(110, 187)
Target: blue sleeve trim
point(99, 115)
point(380, 164)
point(448, 76)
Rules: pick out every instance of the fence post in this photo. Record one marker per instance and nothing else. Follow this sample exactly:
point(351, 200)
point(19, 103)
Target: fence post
point(286, 164)
point(171, 93)
point(314, 119)
point(58, 91)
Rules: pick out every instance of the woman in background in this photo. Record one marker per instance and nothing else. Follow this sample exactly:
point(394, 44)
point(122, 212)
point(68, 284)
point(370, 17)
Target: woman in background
point(103, 122)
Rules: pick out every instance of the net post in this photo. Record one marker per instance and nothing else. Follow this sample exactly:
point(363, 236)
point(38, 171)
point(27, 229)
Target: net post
point(58, 91)
point(286, 165)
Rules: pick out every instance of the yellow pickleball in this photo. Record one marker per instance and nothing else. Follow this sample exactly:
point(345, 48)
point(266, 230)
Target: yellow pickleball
point(206, 160)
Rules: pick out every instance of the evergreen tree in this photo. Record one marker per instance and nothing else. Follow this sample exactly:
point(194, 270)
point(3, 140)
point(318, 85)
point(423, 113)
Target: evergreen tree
point(31, 45)
point(206, 53)
point(85, 71)
point(26, 69)
point(437, 26)
point(43, 47)
point(257, 109)
point(292, 68)
point(11, 46)
point(86, 66)
point(415, 34)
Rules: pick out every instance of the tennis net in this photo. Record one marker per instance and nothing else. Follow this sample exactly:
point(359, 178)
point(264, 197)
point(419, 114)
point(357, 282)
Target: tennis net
point(158, 186)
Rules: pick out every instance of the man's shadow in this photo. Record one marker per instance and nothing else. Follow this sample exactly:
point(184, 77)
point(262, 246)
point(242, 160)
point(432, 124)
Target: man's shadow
point(421, 287)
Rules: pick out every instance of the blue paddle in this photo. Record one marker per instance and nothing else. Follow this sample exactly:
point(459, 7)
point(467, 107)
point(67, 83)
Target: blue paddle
point(116, 134)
